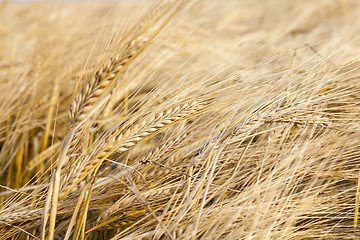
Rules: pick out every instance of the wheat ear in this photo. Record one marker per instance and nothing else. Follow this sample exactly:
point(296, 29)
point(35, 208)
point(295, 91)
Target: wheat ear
point(123, 142)
point(139, 38)
point(135, 42)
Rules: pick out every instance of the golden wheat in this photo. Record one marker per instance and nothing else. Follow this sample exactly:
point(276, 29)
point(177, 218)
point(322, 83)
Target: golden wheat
point(187, 120)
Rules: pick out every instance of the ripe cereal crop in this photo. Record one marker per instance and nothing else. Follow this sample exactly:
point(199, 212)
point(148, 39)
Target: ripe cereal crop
point(179, 119)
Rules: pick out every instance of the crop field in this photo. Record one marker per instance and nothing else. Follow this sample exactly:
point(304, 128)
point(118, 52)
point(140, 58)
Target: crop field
point(180, 119)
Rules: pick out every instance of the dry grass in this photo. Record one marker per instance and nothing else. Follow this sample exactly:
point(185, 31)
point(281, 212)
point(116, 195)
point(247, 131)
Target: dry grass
point(188, 120)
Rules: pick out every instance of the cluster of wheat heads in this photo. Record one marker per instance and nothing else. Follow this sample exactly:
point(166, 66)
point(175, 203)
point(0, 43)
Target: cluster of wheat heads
point(187, 120)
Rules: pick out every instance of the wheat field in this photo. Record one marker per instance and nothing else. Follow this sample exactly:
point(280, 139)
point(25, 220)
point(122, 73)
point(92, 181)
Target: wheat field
point(180, 119)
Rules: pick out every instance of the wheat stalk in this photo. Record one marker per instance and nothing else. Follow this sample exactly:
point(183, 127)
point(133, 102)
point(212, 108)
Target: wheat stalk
point(303, 120)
